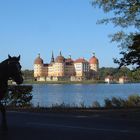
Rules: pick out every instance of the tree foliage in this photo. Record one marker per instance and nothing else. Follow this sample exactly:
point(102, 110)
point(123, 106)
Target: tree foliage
point(28, 74)
point(132, 55)
point(18, 95)
point(134, 76)
point(125, 14)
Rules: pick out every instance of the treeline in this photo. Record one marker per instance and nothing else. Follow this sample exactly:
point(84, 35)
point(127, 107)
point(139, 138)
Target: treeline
point(28, 74)
point(133, 76)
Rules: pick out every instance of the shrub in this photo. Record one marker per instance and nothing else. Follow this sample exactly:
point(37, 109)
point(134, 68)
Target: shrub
point(82, 105)
point(118, 102)
point(108, 103)
point(18, 95)
point(96, 104)
point(133, 101)
point(114, 102)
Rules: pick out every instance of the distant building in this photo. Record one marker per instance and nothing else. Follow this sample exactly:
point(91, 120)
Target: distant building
point(123, 79)
point(109, 79)
point(61, 68)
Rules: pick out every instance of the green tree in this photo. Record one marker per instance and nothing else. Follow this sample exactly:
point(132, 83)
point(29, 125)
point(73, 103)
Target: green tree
point(28, 74)
point(126, 14)
point(116, 73)
point(132, 55)
point(104, 72)
point(136, 75)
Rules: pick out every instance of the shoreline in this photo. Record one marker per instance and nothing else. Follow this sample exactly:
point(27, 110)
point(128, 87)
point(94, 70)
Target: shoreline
point(76, 82)
point(65, 82)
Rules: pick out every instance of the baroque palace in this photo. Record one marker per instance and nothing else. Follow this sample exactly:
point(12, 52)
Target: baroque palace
point(61, 68)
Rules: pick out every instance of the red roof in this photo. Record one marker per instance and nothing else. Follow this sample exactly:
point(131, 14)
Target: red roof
point(38, 60)
point(60, 59)
point(80, 60)
point(93, 60)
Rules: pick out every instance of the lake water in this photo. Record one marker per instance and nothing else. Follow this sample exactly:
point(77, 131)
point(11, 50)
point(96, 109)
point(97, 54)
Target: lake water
point(47, 95)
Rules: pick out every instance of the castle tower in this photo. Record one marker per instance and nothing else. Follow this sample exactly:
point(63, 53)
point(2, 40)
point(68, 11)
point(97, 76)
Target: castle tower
point(94, 63)
point(94, 67)
point(38, 67)
point(60, 65)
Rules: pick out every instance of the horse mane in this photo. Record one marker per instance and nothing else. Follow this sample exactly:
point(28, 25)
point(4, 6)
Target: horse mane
point(14, 59)
point(4, 62)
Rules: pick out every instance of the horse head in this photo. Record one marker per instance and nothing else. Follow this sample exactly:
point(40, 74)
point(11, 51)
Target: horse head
point(14, 69)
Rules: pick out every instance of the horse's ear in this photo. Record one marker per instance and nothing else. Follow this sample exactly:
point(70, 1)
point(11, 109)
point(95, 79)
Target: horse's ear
point(18, 57)
point(9, 56)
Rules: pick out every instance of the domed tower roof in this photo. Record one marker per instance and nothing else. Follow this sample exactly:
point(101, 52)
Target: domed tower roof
point(38, 60)
point(60, 59)
point(93, 60)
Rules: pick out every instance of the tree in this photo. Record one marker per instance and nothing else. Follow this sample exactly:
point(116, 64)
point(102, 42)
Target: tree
point(132, 55)
point(18, 95)
point(123, 71)
point(126, 14)
point(135, 75)
point(28, 74)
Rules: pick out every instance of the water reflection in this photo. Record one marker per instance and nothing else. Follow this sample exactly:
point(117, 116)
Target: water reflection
point(47, 95)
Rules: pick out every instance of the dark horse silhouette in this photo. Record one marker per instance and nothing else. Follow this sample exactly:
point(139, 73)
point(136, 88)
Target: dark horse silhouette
point(9, 69)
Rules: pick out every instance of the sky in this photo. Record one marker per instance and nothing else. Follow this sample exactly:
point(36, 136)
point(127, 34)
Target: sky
point(29, 27)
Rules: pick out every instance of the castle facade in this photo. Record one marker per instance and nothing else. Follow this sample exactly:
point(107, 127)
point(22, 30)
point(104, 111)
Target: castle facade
point(61, 68)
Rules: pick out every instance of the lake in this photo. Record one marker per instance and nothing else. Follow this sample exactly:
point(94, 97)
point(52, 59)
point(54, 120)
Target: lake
point(48, 95)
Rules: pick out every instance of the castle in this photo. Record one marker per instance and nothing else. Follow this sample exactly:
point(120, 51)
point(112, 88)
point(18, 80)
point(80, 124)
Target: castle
point(61, 68)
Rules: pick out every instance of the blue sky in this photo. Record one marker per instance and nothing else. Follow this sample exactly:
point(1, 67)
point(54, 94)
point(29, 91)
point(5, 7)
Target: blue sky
point(29, 27)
